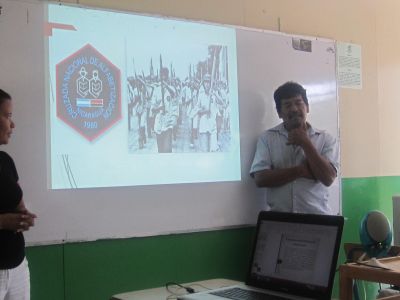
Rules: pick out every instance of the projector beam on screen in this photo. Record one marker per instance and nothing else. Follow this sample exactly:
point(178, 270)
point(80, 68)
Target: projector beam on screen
point(141, 100)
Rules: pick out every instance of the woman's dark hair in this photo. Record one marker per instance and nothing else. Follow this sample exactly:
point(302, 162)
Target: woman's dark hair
point(4, 96)
point(288, 90)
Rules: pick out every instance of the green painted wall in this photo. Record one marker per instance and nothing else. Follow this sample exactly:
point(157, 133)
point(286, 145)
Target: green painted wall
point(360, 195)
point(47, 272)
point(97, 270)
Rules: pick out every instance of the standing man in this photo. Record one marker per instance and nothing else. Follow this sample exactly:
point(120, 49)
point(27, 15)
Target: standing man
point(295, 161)
point(207, 117)
point(166, 112)
point(193, 112)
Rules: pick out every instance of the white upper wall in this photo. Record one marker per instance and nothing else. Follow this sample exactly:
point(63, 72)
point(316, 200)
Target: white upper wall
point(366, 143)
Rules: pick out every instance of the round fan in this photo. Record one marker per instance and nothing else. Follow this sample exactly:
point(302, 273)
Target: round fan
point(375, 234)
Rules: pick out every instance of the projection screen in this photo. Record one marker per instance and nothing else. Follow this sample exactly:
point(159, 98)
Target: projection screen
point(130, 125)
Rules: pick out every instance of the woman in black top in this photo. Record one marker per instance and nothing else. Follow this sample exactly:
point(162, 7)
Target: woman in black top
point(14, 217)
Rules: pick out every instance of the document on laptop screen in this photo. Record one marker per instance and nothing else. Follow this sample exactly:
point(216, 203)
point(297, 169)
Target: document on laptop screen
point(296, 252)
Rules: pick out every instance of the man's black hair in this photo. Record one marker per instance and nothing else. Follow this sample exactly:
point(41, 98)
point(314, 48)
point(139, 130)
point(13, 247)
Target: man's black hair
point(288, 90)
point(4, 96)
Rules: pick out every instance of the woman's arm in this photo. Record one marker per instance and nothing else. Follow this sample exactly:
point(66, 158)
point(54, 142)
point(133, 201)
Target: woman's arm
point(19, 221)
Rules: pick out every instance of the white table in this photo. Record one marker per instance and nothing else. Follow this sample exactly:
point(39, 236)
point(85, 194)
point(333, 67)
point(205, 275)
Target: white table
point(161, 293)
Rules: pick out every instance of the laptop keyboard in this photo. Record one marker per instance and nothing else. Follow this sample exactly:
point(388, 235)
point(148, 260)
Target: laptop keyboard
point(241, 294)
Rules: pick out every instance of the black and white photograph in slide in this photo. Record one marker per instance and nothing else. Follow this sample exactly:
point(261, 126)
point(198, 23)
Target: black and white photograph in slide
point(176, 106)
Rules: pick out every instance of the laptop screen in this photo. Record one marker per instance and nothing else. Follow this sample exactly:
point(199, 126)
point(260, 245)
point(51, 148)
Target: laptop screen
point(295, 252)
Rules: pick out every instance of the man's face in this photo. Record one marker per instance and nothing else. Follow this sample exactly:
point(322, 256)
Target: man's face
point(207, 85)
point(293, 112)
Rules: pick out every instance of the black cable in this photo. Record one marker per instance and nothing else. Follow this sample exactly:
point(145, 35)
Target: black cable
point(70, 170)
point(66, 168)
point(186, 288)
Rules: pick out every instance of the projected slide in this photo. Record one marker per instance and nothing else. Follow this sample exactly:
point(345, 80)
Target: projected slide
point(137, 100)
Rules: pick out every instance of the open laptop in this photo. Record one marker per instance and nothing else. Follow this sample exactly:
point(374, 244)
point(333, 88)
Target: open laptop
point(294, 257)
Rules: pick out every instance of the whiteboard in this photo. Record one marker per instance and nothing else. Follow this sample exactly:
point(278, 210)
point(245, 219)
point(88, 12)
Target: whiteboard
point(265, 61)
